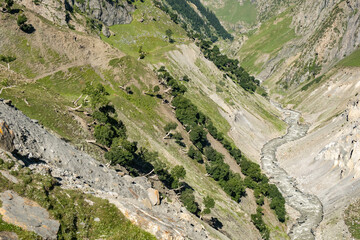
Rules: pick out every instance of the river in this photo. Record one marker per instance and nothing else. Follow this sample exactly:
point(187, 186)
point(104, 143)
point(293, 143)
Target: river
point(308, 205)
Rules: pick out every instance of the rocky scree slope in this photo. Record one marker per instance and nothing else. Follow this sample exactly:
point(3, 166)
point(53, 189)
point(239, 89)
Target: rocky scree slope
point(108, 12)
point(77, 170)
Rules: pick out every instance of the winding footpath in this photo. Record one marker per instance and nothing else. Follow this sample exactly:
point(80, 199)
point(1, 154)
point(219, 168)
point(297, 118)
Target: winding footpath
point(308, 205)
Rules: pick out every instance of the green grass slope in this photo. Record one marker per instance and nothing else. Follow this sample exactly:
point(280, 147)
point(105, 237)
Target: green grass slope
point(266, 42)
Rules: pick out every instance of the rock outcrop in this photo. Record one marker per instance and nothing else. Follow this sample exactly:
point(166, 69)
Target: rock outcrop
point(28, 215)
point(8, 236)
point(77, 170)
point(6, 137)
point(108, 12)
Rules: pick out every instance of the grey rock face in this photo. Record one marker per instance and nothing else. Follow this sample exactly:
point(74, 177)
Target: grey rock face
point(27, 215)
point(6, 137)
point(77, 170)
point(110, 13)
point(107, 12)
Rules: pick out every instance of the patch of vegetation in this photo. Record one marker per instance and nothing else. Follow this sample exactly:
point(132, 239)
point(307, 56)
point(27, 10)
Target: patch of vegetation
point(268, 40)
point(148, 31)
point(212, 19)
point(352, 219)
point(353, 60)
point(233, 12)
point(316, 80)
point(229, 66)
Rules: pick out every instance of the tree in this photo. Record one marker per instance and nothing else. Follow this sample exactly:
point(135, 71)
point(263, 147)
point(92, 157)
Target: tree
point(188, 199)
point(178, 172)
point(122, 152)
point(212, 155)
point(142, 53)
point(21, 22)
point(198, 137)
point(156, 88)
point(104, 134)
point(22, 19)
point(170, 126)
point(195, 154)
point(98, 95)
point(169, 34)
point(186, 78)
point(235, 187)
point(209, 203)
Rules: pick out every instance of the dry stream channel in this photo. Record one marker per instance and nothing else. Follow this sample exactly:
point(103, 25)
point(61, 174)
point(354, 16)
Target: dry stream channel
point(308, 205)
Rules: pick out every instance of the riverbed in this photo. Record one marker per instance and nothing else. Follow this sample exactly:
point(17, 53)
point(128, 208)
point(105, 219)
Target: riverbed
point(309, 206)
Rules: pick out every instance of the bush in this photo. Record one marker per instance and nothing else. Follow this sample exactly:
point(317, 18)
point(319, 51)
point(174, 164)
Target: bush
point(178, 172)
point(21, 19)
point(213, 155)
point(259, 224)
point(198, 137)
point(104, 134)
point(195, 154)
point(170, 126)
point(123, 153)
point(235, 188)
point(188, 199)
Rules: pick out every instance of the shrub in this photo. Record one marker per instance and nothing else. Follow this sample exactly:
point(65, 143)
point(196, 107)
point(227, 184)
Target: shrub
point(188, 199)
point(195, 154)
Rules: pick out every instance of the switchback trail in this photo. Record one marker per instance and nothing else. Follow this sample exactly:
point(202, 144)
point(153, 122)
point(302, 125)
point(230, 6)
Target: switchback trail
point(308, 205)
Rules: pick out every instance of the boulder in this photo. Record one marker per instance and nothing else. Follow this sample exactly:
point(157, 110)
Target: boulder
point(106, 31)
point(28, 215)
point(8, 236)
point(154, 196)
point(6, 137)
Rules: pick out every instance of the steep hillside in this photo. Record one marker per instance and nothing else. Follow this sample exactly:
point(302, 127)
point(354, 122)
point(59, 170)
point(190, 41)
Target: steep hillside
point(306, 53)
point(55, 64)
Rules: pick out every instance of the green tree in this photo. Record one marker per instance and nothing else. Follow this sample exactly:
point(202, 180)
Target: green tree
point(195, 154)
point(169, 34)
point(188, 199)
point(209, 204)
point(123, 153)
point(198, 137)
point(97, 94)
point(22, 19)
point(235, 187)
point(156, 88)
point(170, 126)
point(104, 134)
point(178, 172)
point(212, 155)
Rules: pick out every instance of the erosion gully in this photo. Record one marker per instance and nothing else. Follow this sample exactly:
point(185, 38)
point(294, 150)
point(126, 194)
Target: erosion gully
point(308, 205)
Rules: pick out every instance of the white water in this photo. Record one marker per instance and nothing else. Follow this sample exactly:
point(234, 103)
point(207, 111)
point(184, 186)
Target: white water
point(308, 205)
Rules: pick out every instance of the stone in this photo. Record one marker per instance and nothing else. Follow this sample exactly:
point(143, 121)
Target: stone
point(6, 137)
point(28, 215)
point(154, 196)
point(9, 177)
point(8, 236)
point(106, 31)
point(97, 219)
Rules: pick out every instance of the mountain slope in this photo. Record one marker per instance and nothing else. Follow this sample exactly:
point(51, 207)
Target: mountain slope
point(54, 63)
